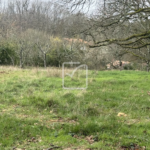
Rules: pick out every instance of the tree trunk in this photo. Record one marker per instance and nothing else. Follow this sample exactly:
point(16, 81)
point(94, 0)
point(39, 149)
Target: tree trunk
point(120, 65)
point(59, 64)
point(45, 60)
point(148, 66)
point(21, 64)
point(21, 61)
point(12, 61)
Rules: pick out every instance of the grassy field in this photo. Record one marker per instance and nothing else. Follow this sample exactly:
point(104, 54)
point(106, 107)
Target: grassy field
point(37, 113)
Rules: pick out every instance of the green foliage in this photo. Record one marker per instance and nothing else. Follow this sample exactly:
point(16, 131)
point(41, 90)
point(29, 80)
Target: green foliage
point(128, 67)
point(7, 50)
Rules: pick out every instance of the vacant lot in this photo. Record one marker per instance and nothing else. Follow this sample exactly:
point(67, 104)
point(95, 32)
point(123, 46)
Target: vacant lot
point(37, 113)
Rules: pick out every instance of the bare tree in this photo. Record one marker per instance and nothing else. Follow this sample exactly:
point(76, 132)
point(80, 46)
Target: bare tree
point(44, 50)
point(22, 51)
point(116, 16)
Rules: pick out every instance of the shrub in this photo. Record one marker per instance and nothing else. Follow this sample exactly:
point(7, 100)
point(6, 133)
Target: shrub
point(128, 67)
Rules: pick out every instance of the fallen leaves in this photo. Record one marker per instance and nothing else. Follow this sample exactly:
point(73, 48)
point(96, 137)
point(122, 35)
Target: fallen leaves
point(121, 114)
point(77, 149)
point(148, 93)
point(51, 111)
point(19, 149)
point(53, 147)
point(133, 146)
point(33, 139)
point(90, 139)
point(132, 121)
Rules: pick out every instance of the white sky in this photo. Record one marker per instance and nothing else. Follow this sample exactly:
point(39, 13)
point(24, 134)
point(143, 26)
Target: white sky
point(91, 9)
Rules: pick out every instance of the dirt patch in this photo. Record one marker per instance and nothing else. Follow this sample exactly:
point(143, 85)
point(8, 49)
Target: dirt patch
point(3, 72)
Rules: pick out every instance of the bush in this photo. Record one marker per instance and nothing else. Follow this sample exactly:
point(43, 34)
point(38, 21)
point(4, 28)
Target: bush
point(6, 53)
point(128, 67)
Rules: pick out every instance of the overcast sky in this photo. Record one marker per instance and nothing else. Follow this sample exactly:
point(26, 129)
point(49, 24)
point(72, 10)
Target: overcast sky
point(91, 9)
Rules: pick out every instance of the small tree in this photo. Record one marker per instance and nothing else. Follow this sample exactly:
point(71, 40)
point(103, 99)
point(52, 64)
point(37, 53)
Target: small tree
point(44, 49)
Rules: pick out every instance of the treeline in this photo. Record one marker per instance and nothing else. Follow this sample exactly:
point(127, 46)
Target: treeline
point(37, 33)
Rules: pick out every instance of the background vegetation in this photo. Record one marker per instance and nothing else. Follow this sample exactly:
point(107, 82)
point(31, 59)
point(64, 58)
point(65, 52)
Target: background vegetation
point(47, 33)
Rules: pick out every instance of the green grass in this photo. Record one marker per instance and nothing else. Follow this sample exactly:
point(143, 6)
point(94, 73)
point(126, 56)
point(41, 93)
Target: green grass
point(37, 113)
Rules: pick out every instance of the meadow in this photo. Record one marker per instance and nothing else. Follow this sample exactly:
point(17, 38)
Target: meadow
point(36, 113)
